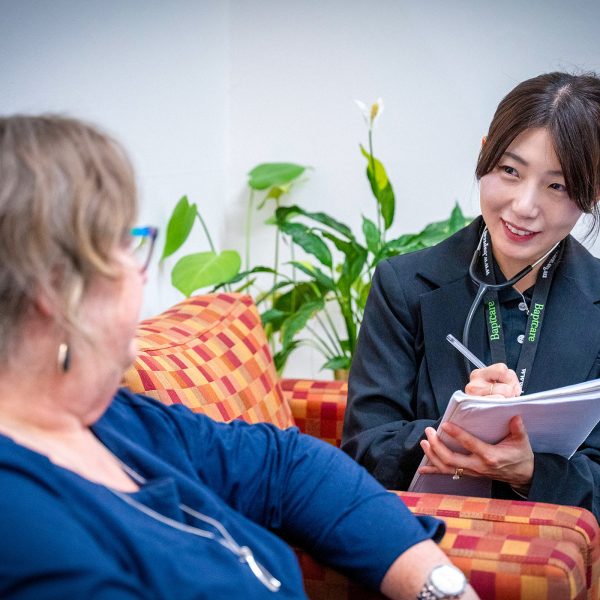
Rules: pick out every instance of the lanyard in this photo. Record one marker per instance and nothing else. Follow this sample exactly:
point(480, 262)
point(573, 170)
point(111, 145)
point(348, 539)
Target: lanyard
point(537, 311)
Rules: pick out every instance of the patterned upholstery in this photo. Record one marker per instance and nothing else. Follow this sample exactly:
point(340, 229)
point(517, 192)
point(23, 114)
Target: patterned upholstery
point(569, 535)
point(529, 520)
point(211, 354)
point(500, 567)
point(318, 407)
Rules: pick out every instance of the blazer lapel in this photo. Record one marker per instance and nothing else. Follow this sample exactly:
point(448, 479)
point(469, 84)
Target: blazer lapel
point(444, 311)
point(570, 340)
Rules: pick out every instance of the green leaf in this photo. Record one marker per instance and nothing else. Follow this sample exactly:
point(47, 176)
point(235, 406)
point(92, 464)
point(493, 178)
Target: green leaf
point(457, 219)
point(273, 317)
point(267, 175)
point(308, 241)
point(275, 193)
point(242, 274)
point(279, 190)
point(283, 214)
point(381, 187)
point(337, 362)
point(314, 272)
point(375, 166)
point(387, 202)
point(204, 269)
point(341, 245)
point(433, 233)
point(179, 226)
point(361, 288)
point(371, 235)
point(301, 293)
point(286, 213)
point(352, 268)
point(364, 294)
point(238, 290)
point(280, 358)
point(298, 320)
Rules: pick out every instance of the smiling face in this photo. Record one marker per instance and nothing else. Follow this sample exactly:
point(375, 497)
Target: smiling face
point(525, 204)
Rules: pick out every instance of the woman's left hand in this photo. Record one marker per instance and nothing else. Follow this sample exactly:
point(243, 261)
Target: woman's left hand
point(510, 460)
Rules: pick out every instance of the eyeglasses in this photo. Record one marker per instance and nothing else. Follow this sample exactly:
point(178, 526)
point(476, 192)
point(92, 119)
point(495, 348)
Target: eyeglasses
point(143, 245)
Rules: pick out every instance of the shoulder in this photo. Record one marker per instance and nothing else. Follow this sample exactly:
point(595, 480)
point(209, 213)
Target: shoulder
point(174, 428)
point(579, 267)
point(149, 423)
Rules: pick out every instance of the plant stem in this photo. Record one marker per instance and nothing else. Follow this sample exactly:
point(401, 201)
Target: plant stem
point(372, 162)
point(226, 286)
point(293, 257)
point(248, 227)
point(345, 305)
point(331, 339)
point(333, 328)
point(323, 348)
point(276, 259)
point(210, 242)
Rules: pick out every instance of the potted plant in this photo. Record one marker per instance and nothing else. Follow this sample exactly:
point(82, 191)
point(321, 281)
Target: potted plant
point(318, 296)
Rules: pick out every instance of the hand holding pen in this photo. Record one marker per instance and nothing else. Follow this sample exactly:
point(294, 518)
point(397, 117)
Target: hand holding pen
point(493, 380)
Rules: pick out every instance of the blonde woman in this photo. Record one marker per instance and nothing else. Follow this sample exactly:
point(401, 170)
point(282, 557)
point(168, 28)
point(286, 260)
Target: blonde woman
point(110, 495)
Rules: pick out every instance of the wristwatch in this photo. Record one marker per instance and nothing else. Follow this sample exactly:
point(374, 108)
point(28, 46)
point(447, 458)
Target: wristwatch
point(444, 582)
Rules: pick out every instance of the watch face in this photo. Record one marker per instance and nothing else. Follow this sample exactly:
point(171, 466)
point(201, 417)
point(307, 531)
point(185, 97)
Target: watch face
point(448, 580)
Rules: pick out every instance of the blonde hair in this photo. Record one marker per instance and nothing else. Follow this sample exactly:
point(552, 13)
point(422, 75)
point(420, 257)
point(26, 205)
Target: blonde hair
point(67, 200)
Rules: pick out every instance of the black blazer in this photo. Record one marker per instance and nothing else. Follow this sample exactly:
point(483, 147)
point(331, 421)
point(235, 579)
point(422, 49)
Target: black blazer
point(404, 371)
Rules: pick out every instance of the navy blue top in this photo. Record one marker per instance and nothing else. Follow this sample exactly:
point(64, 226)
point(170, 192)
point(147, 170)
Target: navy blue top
point(63, 536)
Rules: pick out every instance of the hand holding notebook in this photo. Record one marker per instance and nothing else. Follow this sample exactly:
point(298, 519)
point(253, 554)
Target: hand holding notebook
point(557, 421)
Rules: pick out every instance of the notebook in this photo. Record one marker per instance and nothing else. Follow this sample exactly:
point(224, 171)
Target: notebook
point(557, 421)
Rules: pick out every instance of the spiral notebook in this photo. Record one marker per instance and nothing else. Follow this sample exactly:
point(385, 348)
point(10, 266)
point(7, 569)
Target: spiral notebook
point(558, 421)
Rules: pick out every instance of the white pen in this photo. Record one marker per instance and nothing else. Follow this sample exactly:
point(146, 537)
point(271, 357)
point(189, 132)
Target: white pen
point(465, 351)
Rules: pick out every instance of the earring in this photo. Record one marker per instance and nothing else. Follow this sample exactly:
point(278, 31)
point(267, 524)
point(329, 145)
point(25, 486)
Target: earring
point(64, 357)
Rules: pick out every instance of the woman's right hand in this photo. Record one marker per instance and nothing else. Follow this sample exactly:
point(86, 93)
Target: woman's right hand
point(495, 380)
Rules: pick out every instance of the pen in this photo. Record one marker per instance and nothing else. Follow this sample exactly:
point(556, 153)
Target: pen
point(465, 351)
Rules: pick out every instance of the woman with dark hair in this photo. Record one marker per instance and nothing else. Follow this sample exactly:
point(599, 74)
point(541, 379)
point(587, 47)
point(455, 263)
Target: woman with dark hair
point(539, 171)
point(109, 495)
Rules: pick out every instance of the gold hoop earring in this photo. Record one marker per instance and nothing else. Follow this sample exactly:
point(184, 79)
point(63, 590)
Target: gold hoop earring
point(64, 357)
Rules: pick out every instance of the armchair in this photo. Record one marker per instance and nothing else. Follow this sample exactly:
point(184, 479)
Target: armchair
point(210, 353)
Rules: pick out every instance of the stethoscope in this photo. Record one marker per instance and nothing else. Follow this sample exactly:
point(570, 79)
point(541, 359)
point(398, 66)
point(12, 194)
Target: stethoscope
point(485, 287)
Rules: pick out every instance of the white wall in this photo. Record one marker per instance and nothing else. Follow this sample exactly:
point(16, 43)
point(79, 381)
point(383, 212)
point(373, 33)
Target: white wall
point(200, 91)
point(441, 67)
point(152, 73)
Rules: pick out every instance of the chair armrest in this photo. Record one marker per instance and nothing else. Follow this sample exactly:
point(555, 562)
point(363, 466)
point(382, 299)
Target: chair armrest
point(509, 549)
point(317, 407)
point(499, 567)
point(527, 520)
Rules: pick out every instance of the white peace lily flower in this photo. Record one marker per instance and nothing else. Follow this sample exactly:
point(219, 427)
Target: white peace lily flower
point(370, 114)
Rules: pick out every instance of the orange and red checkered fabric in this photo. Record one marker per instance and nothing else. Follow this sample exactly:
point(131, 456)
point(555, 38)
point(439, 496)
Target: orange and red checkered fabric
point(545, 542)
point(512, 566)
point(318, 407)
point(499, 567)
point(210, 353)
point(530, 520)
